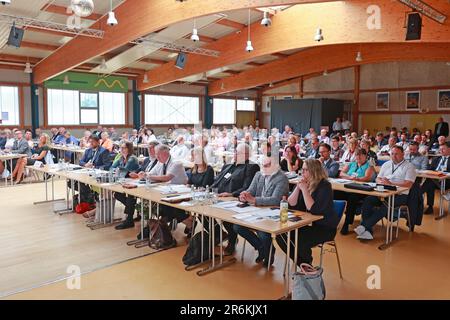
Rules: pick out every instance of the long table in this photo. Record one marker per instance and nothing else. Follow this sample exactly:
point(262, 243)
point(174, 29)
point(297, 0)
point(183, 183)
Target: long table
point(389, 194)
point(427, 174)
point(200, 210)
point(10, 157)
point(64, 148)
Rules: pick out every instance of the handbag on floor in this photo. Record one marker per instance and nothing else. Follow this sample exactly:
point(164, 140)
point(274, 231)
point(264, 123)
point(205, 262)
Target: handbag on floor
point(308, 283)
point(160, 236)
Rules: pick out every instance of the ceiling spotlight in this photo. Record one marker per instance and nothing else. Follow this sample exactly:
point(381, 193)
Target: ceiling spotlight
point(112, 21)
point(448, 63)
point(145, 78)
point(318, 37)
point(28, 68)
point(266, 21)
point(103, 65)
point(359, 57)
point(271, 85)
point(325, 72)
point(249, 47)
point(194, 36)
point(66, 80)
point(82, 8)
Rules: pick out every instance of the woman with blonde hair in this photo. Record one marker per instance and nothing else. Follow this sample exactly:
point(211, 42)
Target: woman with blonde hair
point(202, 174)
point(40, 153)
point(313, 194)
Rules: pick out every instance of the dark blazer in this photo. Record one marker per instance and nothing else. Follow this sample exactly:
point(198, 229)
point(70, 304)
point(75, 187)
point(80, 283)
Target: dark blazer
point(415, 205)
point(21, 147)
point(435, 163)
point(2, 143)
point(323, 205)
point(332, 168)
point(239, 180)
point(101, 160)
point(443, 131)
point(147, 162)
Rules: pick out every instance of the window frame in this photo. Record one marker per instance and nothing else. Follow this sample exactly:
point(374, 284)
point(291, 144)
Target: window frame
point(20, 100)
point(89, 108)
point(46, 125)
point(187, 95)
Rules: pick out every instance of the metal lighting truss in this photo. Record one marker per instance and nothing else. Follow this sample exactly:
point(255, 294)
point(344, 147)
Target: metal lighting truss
point(175, 47)
point(52, 26)
point(425, 9)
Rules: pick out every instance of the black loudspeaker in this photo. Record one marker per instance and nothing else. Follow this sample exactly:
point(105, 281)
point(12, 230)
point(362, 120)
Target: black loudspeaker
point(181, 60)
point(414, 28)
point(15, 36)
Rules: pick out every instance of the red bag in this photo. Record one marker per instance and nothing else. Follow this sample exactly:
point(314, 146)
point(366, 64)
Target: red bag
point(83, 207)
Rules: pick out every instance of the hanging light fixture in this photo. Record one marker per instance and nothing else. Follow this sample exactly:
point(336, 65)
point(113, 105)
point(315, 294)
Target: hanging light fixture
point(112, 21)
point(249, 47)
point(145, 78)
point(66, 80)
point(194, 36)
point(359, 57)
point(103, 65)
point(222, 86)
point(325, 72)
point(319, 36)
point(28, 68)
point(271, 85)
point(266, 21)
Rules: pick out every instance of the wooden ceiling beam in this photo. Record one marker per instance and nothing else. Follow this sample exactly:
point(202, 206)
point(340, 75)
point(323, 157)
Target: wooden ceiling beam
point(38, 46)
point(341, 22)
point(134, 22)
point(318, 59)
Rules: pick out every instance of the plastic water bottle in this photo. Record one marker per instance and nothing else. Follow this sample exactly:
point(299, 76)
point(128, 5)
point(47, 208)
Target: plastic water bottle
point(284, 210)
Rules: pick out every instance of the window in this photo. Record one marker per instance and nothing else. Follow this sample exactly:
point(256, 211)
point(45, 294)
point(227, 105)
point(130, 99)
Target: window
point(9, 105)
point(245, 105)
point(160, 109)
point(88, 108)
point(71, 107)
point(112, 108)
point(224, 111)
point(63, 107)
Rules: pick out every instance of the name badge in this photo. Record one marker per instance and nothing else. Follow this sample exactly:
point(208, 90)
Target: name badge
point(228, 175)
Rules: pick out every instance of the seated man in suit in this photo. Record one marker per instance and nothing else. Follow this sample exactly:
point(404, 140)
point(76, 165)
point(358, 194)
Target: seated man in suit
point(330, 166)
point(267, 189)
point(95, 157)
point(441, 163)
point(232, 180)
point(129, 201)
point(397, 172)
point(313, 151)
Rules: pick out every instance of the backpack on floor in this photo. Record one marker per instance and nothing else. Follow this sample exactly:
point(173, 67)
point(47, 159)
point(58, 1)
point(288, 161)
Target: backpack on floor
point(194, 250)
point(160, 236)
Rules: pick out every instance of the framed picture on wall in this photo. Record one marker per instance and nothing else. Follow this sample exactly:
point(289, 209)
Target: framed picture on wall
point(412, 100)
point(444, 99)
point(382, 102)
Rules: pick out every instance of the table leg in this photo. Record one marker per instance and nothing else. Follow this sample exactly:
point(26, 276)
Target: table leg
point(11, 163)
point(389, 224)
point(442, 213)
point(287, 270)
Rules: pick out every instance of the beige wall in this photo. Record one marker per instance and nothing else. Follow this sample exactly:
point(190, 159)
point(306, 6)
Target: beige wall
point(427, 77)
